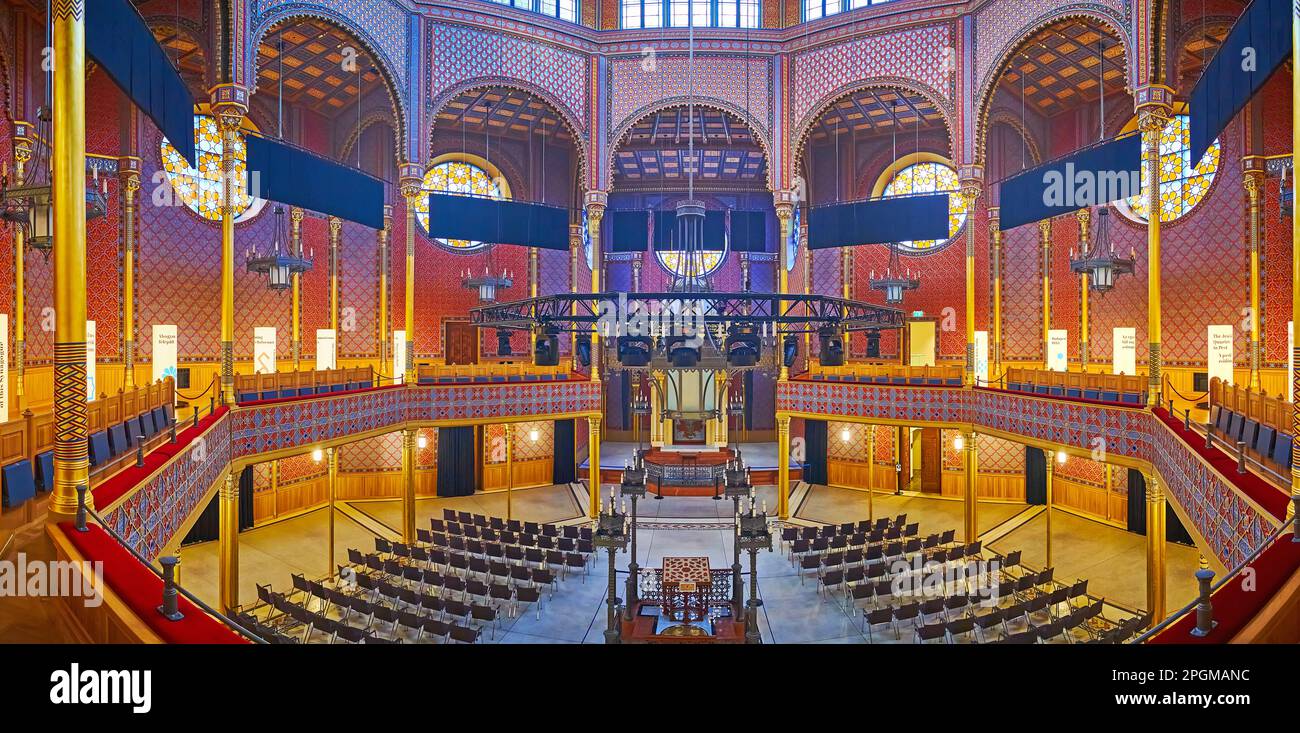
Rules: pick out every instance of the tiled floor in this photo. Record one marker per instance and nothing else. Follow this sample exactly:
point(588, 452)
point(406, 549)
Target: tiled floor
point(793, 611)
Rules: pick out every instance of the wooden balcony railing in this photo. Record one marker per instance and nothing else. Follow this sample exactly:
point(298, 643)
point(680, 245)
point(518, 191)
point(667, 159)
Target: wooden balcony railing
point(1122, 388)
point(888, 374)
point(252, 387)
point(428, 374)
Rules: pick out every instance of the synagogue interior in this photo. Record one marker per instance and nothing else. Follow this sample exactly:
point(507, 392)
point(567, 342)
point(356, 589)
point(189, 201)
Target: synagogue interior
point(649, 322)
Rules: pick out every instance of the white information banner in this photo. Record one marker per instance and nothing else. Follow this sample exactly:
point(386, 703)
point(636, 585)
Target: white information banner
point(264, 350)
point(399, 356)
point(326, 342)
point(1218, 360)
point(1058, 346)
point(90, 361)
point(982, 358)
point(164, 352)
point(1124, 350)
point(4, 367)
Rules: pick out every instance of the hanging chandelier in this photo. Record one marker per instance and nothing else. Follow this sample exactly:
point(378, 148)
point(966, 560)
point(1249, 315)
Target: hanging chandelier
point(30, 206)
point(488, 283)
point(895, 281)
point(1100, 262)
point(279, 263)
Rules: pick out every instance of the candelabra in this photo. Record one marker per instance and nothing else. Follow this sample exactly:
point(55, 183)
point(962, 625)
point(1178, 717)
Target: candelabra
point(611, 534)
point(737, 487)
point(633, 487)
point(754, 534)
point(1099, 261)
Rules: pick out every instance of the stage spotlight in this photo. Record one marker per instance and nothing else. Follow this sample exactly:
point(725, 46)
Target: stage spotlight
point(546, 349)
point(832, 347)
point(873, 344)
point(503, 342)
point(634, 351)
point(582, 347)
point(680, 354)
point(743, 346)
point(789, 350)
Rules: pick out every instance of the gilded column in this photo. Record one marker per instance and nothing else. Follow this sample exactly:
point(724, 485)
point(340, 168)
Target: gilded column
point(995, 264)
point(1155, 548)
point(871, 471)
point(596, 201)
point(971, 509)
point(228, 543)
point(336, 230)
point(410, 186)
point(1151, 120)
point(1254, 181)
point(130, 187)
point(1049, 461)
point(1045, 239)
point(783, 466)
point(575, 251)
point(807, 288)
point(970, 192)
point(68, 166)
point(1085, 219)
point(533, 274)
point(229, 101)
point(384, 234)
point(408, 485)
point(593, 464)
point(846, 272)
point(295, 300)
point(1295, 264)
point(656, 416)
point(785, 215)
point(331, 488)
point(22, 154)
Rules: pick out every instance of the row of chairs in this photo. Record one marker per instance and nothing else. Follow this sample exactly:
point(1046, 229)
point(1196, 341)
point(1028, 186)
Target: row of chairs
point(507, 545)
point(790, 532)
point(906, 542)
point(842, 568)
point(294, 616)
point(472, 525)
point(975, 627)
point(457, 576)
point(1270, 445)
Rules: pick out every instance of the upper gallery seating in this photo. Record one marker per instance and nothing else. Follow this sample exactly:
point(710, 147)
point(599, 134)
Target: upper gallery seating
point(251, 387)
point(1129, 390)
point(933, 376)
point(451, 585)
point(430, 374)
point(1261, 422)
point(974, 603)
point(114, 427)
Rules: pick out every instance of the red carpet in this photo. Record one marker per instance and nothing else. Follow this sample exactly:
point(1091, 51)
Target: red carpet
point(140, 589)
point(124, 481)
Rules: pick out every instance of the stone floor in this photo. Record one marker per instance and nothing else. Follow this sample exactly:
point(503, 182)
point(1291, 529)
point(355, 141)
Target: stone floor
point(793, 611)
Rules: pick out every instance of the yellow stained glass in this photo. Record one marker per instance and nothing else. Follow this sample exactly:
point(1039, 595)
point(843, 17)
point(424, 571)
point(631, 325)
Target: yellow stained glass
point(199, 187)
point(1182, 186)
point(696, 264)
point(930, 177)
point(458, 177)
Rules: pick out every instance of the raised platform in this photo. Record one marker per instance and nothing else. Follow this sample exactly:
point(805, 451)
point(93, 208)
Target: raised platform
point(760, 457)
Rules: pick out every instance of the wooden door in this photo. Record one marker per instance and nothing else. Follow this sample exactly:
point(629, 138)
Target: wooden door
point(931, 462)
point(460, 342)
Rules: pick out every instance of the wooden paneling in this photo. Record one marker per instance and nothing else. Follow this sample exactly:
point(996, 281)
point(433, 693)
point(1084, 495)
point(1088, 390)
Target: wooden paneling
point(525, 474)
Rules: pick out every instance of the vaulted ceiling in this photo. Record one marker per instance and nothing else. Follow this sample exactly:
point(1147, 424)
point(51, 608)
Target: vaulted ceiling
point(324, 66)
point(657, 148)
point(1064, 65)
point(501, 111)
point(884, 110)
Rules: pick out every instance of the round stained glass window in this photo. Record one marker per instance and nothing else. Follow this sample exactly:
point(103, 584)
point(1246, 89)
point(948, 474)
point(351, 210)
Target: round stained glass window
point(693, 264)
point(458, 177)
point(199, 186)
point(929, 177)
point(1182, 185)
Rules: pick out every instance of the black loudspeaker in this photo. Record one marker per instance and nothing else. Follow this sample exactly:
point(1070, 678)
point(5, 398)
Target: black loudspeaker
point(873, 344)
point(503, 342)
point(633, 351)
point(832, 347)
point(183, 378)
point(546, 350)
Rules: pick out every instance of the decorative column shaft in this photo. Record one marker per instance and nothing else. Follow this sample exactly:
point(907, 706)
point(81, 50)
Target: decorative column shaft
point(596, 201)
point(785, 215)
point(995, 240)
point(1049, 461)
point(1155, 548)
point(410, 187)
point(130, 186)
point(1152, 119)
point(783, 466)
point(575, 251)
point(229, 103)
point(409, 444)
point(593, 465)
point(331, 488)
point(971, 512)
point(1254, 182)
point(68, 166)
point(1295, 265)
point(533, 272)
point(336, 231)
point(295, 299)
point(970, 192)
point(228, 543)
point(1045, 239)
point(384, 338)
point(1085, 218)
point(846, 272)
point(22, 154)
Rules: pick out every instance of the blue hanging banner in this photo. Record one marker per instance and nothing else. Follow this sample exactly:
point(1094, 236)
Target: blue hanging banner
point(285, 174)
point(1094, 176)
point(118, 39)
point(453, 216)
point(879, 221)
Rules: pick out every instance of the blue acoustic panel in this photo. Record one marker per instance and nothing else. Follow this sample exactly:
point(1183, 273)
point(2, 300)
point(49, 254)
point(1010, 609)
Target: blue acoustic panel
point(296, 177)
point(629, 231)
point(878, 221)
point(18, 483)
point(1093, 176)
point(498, 222)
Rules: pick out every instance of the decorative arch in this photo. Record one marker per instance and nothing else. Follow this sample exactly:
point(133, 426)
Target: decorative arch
point(396, 93)
point(565, 115)
point(374, 117)
point(195, 33)
point(1190, 27)
point(1004, 117)
point(620, 133)
point(800, 139)
point(1105, 16)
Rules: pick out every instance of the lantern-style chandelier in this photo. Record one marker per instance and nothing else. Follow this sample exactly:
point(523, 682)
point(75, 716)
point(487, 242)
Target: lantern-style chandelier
point(1099, 261)
point(30, 205)
point(488, 283)
point(280, 263)
point(895, 280)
